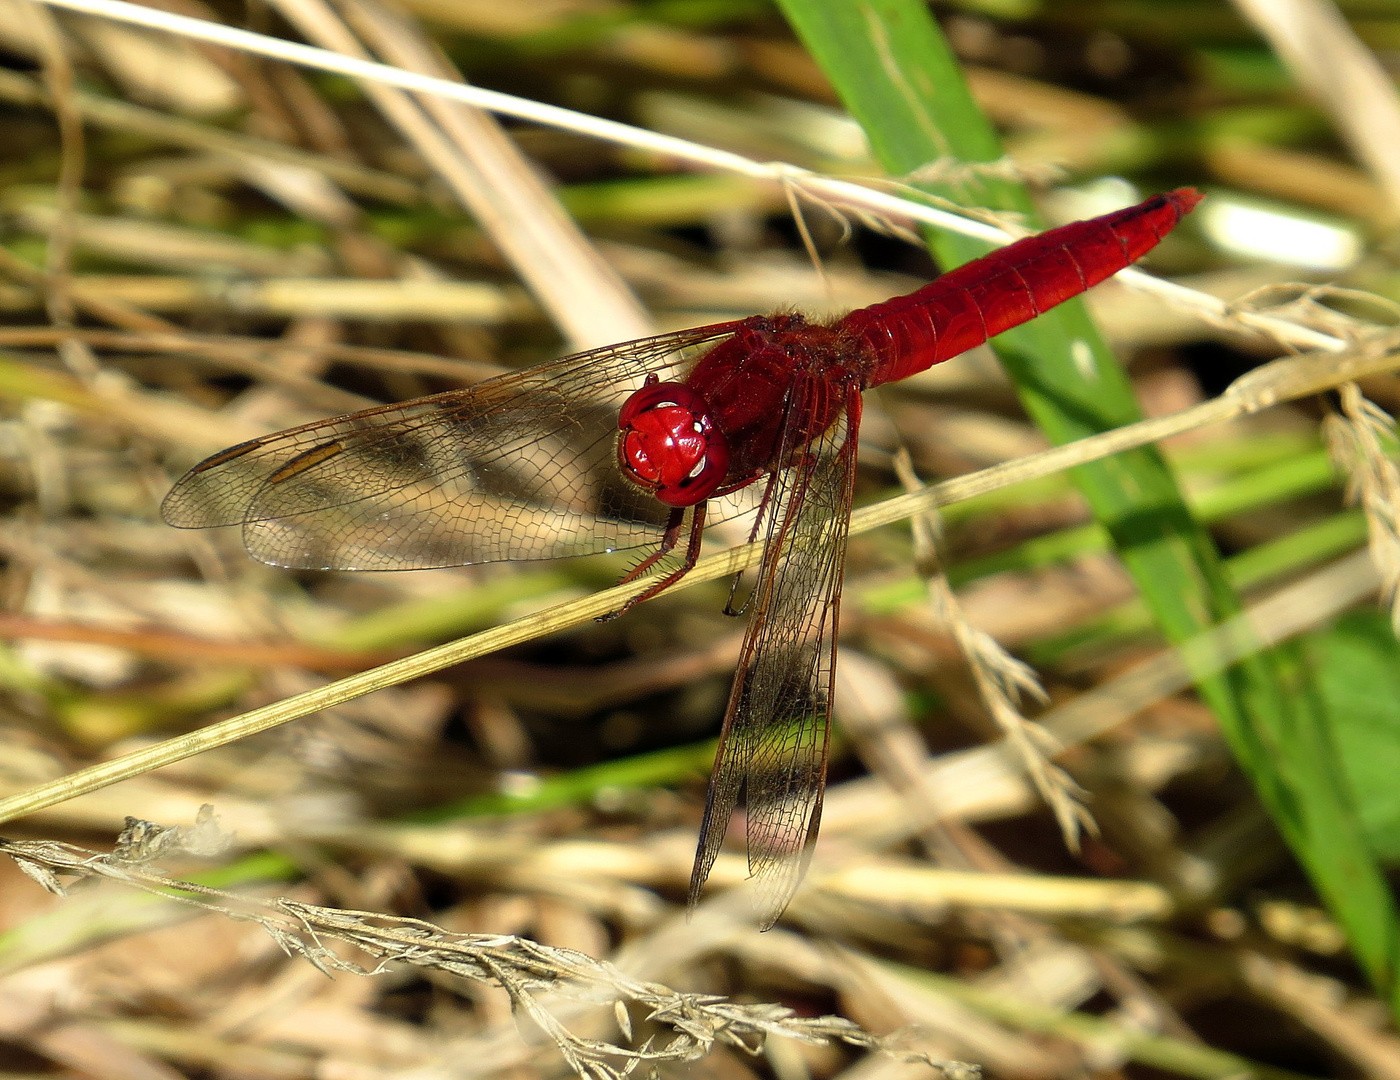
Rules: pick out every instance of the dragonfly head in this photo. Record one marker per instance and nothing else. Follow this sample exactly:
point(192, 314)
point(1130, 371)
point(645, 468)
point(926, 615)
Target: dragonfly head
point(670, 445)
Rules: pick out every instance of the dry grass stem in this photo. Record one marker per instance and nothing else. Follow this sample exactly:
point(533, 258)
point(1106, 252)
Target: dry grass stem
point(1000, 678)
point(242, 353)
point(461, 302)
point(484, 170)
point(1362, 440)
point(1337, 69)
point(177, 131)
point(1036, 174)
point(1314, 1000)
point(929, 891)
point(582, 292)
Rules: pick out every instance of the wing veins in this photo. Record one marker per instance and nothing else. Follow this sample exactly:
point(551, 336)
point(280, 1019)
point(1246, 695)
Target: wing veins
point(400, 454)
point(776, 728)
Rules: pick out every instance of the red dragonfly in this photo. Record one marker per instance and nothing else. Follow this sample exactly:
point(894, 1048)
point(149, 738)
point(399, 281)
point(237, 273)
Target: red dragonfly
point(638, 444)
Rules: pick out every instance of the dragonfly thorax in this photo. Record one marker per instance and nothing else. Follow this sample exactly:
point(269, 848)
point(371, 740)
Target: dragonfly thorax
point(670, 445)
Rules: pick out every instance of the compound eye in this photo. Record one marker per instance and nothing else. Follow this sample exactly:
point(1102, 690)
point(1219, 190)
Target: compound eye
point(670, 446)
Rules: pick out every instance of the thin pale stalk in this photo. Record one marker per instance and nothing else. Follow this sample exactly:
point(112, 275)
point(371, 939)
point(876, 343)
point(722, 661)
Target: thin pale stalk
point(1328, 59)
point(818, 187)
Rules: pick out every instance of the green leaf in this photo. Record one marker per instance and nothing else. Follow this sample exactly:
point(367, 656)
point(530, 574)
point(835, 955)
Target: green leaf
point(1357, 665)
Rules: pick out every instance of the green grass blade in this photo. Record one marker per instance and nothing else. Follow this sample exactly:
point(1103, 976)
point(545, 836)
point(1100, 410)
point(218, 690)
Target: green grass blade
point(898, 78)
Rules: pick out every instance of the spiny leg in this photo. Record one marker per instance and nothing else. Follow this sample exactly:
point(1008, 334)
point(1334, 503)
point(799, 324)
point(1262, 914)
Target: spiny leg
point(668, 542)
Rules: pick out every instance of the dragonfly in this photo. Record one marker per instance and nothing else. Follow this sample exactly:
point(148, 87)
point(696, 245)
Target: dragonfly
point(638, 446)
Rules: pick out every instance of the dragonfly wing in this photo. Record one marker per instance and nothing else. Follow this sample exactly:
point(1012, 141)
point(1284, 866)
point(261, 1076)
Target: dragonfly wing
point(773, 747)
point(517, 467)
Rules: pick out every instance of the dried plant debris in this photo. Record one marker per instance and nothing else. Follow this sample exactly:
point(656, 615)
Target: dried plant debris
point(692, 1024)
point(1362, 441)
point(1001, 679)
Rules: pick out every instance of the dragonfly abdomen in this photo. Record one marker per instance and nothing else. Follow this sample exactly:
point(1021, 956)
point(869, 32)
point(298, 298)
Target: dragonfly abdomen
point(964, 307)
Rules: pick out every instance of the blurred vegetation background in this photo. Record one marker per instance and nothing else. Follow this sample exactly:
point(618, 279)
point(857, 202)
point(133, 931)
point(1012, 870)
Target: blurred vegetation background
point(199, 245)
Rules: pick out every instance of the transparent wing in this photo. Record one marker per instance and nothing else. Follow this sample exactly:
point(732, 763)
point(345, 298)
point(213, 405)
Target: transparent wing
point(517, 467)
point(773, 746)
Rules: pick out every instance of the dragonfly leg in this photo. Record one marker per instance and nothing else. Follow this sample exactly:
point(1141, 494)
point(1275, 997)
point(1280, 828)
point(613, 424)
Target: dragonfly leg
point(669, 540)
point(763, 507)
